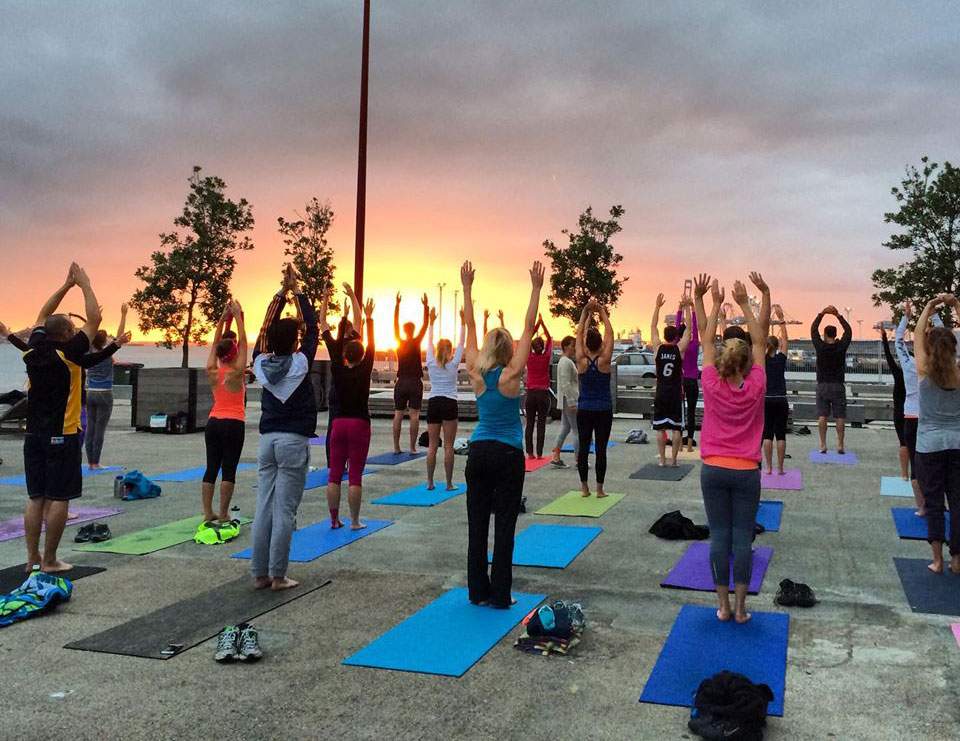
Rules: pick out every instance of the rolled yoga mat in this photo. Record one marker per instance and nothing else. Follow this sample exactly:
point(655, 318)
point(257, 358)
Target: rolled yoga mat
point(446, 637)
point(420, 496)
point(654, 472)
point(894, 486)
point(14, 576)
point(792, 480)
point(769, 515)
point(192, 621)
point(551, 546)
point(13, 528)
point(392, 459)
point(693, 571)
point(572, 504)
point(152, 539)
point(911, 527)
point(319, 539)
point(926, 592)
point(193, 474)
point(832, 457)
point(21, 480)
point(699, 646)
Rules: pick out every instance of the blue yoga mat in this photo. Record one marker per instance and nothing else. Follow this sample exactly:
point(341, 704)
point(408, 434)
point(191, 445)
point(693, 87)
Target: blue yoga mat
point(21, 480)
point(446, 637)
point(319, 539)
point(832, 457)
point(926, 592)
point(894, 486)
point(193, 474)
point(911, 527)
point(391, 459)
point(699, 646)
point(419, 496)
point(769, 515)
point(551, 546)
point(568, 448)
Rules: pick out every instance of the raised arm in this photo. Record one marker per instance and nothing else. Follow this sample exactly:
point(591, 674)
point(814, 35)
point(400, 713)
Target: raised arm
point(782, 320)
point(701, 284)
point(370, 353)
point(242, 343)
point(466, 281)
point(122, 329)
point(396, 320)
point(710, 331)
point(580, 348)
point(354, 301)
point(847, 331)
point(885, 344)
point(53, 303)
point(757, 337)
point(606, 350)
point(91, 308)
point(311, 335)
point(426, 318)
point(920, 334)
point(431, 355)
point(815, 328)
point(500, 317)
point(655, 323)
point(522, 350)
point(217, 336)
point(685, 339)
point(764, 318)
point(458, 353)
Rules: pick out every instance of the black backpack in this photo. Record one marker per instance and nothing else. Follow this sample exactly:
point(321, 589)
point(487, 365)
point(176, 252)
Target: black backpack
point(729, 706)
point(674, 526)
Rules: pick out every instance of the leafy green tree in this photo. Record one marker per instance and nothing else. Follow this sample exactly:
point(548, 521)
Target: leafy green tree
point(586, 266)
point(928, 215)
point(187, 283)
point(306, 245)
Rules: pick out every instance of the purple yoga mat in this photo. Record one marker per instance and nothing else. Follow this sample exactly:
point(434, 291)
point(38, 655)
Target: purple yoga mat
point(792, 479)
point(318, 440)
point(692, 571)
point(831, 456)
point(10, 529)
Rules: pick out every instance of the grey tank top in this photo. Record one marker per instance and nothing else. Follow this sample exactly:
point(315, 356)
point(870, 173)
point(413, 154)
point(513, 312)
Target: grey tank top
point(939, 425)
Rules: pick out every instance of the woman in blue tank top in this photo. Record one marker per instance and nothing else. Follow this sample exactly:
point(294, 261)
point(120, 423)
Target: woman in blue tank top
point(495, 463)
point(595, 406)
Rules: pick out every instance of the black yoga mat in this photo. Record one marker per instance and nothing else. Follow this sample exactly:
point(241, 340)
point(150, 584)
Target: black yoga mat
point(174, 629)
point(935, 594)
point(653, 472)
point(13, 576)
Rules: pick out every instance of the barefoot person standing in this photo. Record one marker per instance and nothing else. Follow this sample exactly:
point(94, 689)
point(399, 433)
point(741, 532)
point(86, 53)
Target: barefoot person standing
point(938, 430)
point(495, 467)
point(408, 389)
point(734, 383)
point(537, 405)
point(776, 409)
point(288, 420)
point(595, 405)
point(443, 411)
point(668, 399)
point(52, 455)
point(831, 375)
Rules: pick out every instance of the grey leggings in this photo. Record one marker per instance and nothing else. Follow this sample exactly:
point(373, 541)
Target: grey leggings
point(99, 409)
point(731, 498)
point(568, 424)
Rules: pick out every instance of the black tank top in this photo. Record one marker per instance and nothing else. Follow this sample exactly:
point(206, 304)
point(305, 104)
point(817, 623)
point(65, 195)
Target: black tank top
point(669, 370)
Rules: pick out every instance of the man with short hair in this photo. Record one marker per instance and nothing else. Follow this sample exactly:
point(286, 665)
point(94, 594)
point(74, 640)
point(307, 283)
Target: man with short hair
point(668, 399)
point(408, 389)
point(831, 374)
point(52, 452)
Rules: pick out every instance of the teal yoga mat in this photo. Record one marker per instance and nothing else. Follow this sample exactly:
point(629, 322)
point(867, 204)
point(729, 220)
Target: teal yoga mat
point(894, 486)
point(552, 546)
point(420, 496)
point(446, 637)
point(319, 539)
point(192, 474)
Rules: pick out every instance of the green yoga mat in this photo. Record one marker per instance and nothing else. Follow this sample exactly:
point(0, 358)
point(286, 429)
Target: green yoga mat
point(572, 504)
point(152, 539)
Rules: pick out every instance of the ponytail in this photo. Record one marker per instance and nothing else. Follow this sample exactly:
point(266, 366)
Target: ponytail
point(734, 358)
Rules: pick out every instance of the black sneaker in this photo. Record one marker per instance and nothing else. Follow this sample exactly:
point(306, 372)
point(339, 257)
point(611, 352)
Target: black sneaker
point(101, 532)
point(84, 534)
point(248, 644)
point(558, 463)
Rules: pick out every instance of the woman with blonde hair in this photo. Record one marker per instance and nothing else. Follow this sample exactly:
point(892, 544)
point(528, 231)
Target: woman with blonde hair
point(938, 430)
point(734, 384)
point(495, 463)
point(443, 364)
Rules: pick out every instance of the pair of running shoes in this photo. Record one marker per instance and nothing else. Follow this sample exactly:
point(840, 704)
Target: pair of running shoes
point(212, 532)
point(238, 643)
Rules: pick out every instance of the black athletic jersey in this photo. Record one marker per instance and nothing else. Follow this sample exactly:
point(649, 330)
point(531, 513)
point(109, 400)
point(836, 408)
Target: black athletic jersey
point(669, 371)
point(408, 359)
point(56, 384)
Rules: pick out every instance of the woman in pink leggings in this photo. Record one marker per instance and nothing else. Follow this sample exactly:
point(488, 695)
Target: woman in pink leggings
point(350, 368)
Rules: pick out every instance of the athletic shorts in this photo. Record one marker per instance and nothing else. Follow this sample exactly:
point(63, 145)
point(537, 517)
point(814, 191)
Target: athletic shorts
point(832, 400)
point(668, 412)
point(53, 466)
point(776, 410)
point(910, 441)
point(441, 409)
point(408, 394)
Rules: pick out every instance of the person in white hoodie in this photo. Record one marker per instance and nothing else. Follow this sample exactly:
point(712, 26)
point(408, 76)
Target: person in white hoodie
point(568, 392)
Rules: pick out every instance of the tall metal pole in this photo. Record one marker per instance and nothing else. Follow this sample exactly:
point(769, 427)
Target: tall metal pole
point(440, 310)
point(456, 296)
point(362, 156)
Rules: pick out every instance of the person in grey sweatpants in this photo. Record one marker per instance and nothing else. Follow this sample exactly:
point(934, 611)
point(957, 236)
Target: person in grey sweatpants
point(287, 422)
point(568, 392)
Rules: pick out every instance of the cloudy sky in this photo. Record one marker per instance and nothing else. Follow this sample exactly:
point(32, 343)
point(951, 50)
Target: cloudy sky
point(737, 135)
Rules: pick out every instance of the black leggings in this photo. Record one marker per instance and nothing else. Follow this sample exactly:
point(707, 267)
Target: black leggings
point(224, 438)
point(596, 426)
point(537, 408)
point(691, 393)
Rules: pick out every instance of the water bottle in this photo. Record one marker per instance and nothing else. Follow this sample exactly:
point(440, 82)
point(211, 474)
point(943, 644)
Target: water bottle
point(235, 513)
point(118, 488)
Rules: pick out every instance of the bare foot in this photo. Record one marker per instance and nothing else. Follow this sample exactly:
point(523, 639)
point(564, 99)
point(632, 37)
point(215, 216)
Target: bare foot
point(336, 525)
point(906, 478)
point(262, 582)
point(413, 452)
point(661, 462)
point(584, 492)
point(397, 451)
point(601, 494)
point(955, 565)
point(781, 472)
point(770, 472)
point(56, 567)
point(451, 487)
point(32, 564)
point(936, 567)
point(283, 583)
point(357, 525)
point(431, 486)
point(723, 615)
point(742, 617)
point(674, 464)
point(72, 515)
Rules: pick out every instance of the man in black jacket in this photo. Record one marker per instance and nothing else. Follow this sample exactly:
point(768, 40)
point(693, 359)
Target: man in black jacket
point(288, 420)
point(831, 374)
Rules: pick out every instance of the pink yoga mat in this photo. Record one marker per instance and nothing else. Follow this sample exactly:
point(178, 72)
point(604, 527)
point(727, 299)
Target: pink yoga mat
point(692, 571)
point(955, 627)
point(792, 479)
point(535, 464)
point(10, 529)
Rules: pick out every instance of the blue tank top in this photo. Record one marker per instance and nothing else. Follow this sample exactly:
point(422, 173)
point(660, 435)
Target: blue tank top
point(100, 376)
point(499, 414)
point(594, 389)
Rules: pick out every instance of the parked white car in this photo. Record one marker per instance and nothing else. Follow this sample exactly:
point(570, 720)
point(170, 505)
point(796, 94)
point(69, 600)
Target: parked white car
point(633, 366)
